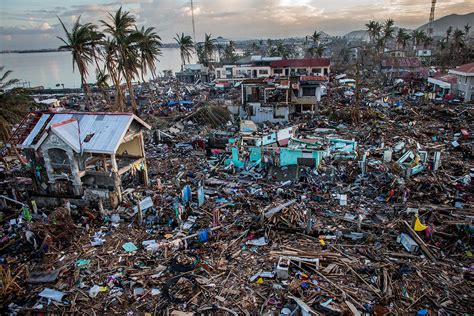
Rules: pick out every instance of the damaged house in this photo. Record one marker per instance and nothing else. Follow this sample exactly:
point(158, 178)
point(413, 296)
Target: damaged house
point(83, 154)
point(277, 99)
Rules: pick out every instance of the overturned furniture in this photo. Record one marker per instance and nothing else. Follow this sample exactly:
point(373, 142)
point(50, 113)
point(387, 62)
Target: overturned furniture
point(83, 154)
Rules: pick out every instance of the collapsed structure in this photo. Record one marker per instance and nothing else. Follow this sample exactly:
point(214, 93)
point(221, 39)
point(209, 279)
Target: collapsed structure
point(78, 154)
point(251, 196)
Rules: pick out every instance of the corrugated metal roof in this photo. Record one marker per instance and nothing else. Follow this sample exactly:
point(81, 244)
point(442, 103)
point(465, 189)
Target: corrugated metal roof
point(107, 130)
point(466, 68)
point(401, 62)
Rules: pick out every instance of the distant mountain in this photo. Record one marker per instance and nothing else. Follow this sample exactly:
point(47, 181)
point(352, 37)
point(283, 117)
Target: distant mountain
point(455, 20)
point(359, 34)
point(439, 26)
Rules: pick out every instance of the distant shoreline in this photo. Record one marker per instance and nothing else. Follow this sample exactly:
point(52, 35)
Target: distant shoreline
point(55, 50)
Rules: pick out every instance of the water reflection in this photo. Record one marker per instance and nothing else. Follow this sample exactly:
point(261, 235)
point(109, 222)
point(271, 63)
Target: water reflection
point(49, 69)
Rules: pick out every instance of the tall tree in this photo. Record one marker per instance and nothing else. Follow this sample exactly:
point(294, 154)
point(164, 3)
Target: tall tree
point(102, 79)
point(13, 103)
point(80, 40)
point(418, 37)
point(449, 31)
point(315, 38)
point(201, 54)
point(229, 53)
point(121, 28)
point(374, 30)
point(402, 38)
point(186, 47)
point(388, 30)
point(110, 57)
point(467, 29)
point(149, 45)
point(209, 47)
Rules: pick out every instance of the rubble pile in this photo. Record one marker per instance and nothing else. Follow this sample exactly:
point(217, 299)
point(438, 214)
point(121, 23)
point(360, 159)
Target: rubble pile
point(321, 216)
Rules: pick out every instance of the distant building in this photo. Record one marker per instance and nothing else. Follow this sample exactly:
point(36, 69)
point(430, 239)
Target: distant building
point(403, 67)
point(248, 67)
point(395, 53)
point(262, 67)
point(465, 81)
point(423, 53)
point(301, 67)
point(192, 73)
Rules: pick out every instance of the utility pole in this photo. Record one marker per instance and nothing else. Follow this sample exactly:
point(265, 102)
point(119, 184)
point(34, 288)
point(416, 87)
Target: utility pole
point(430, 27)
point(194, 27)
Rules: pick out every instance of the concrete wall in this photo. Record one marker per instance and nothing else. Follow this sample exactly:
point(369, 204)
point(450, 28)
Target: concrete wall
point(54, 142)
point(465, 87)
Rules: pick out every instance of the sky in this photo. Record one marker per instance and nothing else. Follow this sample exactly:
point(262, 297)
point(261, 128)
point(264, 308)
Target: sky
point(33, 24)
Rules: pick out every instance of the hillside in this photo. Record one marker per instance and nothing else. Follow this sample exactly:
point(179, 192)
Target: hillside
point(455, 20)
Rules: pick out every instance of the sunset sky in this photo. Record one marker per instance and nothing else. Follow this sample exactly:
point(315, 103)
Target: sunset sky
point(26, 24)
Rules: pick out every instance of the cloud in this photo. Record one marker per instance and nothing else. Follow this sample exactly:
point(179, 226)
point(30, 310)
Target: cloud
point(234, 19)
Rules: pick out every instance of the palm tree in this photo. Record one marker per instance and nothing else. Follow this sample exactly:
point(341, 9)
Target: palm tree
point(449, 31)
point(317, 51)
point(102, 79)
point(186, 47)
point(80, 41)
point(467, 28)
point(255, 47)
point(283, 50)
point(209, 46)
point(373, 29)
point(149, 45)
point(110, 57)
point(458, 40)
point(121, 28)
point(387, 31)
point(13, 104)
point(4, 83)
point(315, 38)
point(418, 37)
point(229, 53)
point(201, 54)
point(402, 38)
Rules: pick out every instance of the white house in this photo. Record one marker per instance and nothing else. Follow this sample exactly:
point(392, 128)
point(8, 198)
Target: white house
point(465, 81)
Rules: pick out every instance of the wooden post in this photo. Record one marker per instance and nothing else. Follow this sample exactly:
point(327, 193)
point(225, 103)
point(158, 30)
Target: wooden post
point(146, 181)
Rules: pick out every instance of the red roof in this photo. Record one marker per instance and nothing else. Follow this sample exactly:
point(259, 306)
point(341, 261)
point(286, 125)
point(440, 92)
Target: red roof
point(313, 78)
point(445, 78)
point(401, 62)
point(468, 68)
point(304, 62)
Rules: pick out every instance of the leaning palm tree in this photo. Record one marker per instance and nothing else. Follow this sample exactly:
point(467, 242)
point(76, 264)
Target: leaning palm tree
point(149, 45)
point(12, 104)
point(186, 47)
point(121, 29)
point(5, 83)
point(80, 41)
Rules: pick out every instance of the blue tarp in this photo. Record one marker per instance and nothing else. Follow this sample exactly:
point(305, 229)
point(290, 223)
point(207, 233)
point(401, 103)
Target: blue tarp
point(180, 102)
